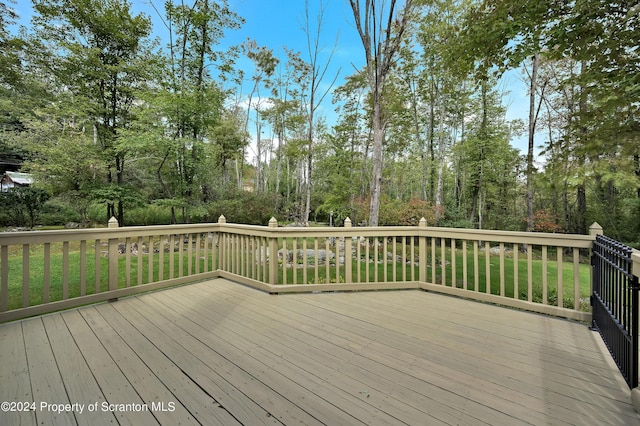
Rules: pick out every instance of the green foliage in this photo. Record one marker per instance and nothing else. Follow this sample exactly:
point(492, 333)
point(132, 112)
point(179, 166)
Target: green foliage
point(243, 207)
point(24, 204)
point(62, 210)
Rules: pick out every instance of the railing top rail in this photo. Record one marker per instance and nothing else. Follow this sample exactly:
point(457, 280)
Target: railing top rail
point(38, 237)
point(535, 238)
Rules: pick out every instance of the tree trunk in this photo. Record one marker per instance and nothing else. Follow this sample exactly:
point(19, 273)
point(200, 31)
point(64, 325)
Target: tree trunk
point(376, 179)
point(532, 131)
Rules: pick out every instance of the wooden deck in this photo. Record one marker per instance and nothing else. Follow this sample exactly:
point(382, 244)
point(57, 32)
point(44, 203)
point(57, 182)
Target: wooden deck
point(221, 353)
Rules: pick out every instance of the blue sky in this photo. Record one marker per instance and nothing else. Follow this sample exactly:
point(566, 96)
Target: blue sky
point(278, 23)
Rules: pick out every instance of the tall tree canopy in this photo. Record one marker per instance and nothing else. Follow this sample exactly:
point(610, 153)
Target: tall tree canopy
point(185, 128)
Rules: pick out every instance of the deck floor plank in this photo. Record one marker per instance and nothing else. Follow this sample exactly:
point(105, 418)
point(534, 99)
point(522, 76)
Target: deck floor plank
point(220, 377)
point(512, 367)
point(119, 393)
point(389, 377)
point(79, 382)
point(176, 365)
point(150, 380)
point(339, 366)
point(281, 386)
point(46, 382)
point(15, 386)
point(490, 372)
point(346, 394)
point(228, 354)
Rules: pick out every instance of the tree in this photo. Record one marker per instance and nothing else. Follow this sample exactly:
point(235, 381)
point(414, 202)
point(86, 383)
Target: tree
point(95, 49)
point(381, 28)
point(317, 74)
point(10, 46)
point(24, 204)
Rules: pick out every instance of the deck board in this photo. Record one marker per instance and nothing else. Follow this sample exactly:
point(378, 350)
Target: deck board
point(150, 381)
point(46, 382)
point(79, 382)
point(226, 354)
point(14, 373)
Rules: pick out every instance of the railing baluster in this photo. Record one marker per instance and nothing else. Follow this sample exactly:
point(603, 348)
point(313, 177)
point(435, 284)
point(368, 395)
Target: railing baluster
point(139, 261)
point(545, 288)
point(205, 253)
point(576, 279)
point(516, 261)
point(465, 265)
point(559, 285)
point(404, 259)
point(25, 275)
point(454, 274)
point(394, 261)
point(502, 290)
point(529, 273)
point(367, 258)
point(161, 241)
point(294, 263)
point(385, 260)
point(443, 262)
point(316, 260)
point(476, 267)
point(337, 258)
point(181, 255)
point(412, 253)
point(127, 262)
point(358, 259)
point(304, 262)
point(487, 267)
point(83, 267)
point(150, 260)
point(4, 278)
point(97, 260)
point(172, 248)
point(65, 270)
point(433, 260)
point(46, 283)
point(190, 255)
point(327, 260)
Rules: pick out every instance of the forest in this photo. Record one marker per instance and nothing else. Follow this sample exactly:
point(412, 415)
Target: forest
point(112, 120)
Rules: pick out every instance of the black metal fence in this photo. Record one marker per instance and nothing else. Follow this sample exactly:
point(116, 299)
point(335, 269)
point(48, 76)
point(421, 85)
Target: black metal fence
point(615, 304)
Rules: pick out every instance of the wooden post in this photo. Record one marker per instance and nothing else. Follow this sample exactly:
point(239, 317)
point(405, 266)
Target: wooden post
point(595, 229)
point(348, 273)
point(273, 254)
point(113, 257)
point(422, 252)
point(222, 250)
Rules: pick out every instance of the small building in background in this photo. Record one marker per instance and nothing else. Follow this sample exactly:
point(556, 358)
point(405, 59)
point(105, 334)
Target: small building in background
point(12, 179)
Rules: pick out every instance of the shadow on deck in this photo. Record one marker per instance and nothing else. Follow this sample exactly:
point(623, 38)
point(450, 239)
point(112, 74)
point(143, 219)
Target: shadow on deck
point(221, 353)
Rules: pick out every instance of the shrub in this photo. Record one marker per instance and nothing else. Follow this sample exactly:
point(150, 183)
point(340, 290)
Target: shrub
point(24, 204)
point(243, 207)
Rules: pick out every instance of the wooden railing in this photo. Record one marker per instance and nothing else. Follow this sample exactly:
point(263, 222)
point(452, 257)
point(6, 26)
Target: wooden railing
point(45, 271)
